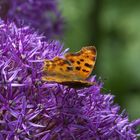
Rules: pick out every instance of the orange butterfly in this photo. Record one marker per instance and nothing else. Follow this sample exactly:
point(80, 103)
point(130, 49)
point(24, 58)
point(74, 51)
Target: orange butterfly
point(73, 69)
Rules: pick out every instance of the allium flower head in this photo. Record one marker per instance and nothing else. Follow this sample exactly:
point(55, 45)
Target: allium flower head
point(32, 109)
point(43, 15)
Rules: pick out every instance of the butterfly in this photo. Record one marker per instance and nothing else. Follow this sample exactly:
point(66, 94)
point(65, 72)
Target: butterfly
point(72, 70)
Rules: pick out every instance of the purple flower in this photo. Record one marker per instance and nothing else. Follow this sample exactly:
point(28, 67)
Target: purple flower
point(32, 109)
point(43, 15)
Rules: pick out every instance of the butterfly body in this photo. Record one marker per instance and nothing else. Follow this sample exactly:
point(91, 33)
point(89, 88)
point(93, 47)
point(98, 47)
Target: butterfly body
point(73, 69)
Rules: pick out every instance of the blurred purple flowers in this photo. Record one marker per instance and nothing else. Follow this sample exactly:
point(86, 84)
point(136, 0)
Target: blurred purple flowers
point(43, 15)
point(31, 109)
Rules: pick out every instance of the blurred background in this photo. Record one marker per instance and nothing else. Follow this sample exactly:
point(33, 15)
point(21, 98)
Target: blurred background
point(114, 28)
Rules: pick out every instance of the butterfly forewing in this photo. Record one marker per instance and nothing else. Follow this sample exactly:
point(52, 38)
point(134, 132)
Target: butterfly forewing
point(83, 61)
point(57, 69)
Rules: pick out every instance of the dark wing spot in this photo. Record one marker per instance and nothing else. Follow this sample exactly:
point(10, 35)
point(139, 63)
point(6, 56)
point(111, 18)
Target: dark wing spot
point(82, 60)
point(66, 62)
point(94, 50)
point(85, 70)
point(78, 68)
point(61, 69)
point(71, 60)
point(69, 68)
point(78, 62)
point(88, 65)
point(94, 58)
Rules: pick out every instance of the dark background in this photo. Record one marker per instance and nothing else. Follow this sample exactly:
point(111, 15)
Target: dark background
point(113, 26)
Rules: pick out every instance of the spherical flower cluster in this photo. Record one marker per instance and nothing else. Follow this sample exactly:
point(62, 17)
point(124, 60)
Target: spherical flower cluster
point(43, 15)
point(32, 109)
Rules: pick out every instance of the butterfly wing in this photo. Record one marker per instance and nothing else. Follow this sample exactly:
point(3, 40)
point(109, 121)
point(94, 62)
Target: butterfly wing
point(69, 82)
point(73, 70)
point(83, 61)
point(57, 70)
